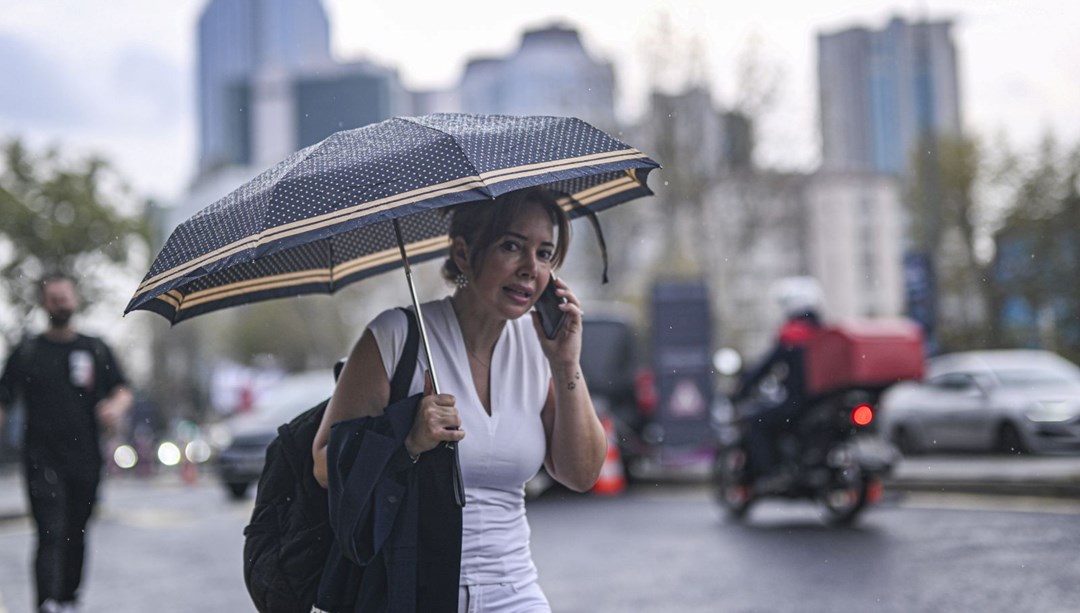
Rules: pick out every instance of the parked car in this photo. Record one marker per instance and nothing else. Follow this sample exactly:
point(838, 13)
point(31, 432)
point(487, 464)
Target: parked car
point(620, 387)
point(240, 461)
point(1006, 401)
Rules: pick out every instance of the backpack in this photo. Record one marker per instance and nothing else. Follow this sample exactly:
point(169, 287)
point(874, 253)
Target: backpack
point(289, 542)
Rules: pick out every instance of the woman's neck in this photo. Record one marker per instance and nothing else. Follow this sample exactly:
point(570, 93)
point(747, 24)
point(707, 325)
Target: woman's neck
point(479, 329)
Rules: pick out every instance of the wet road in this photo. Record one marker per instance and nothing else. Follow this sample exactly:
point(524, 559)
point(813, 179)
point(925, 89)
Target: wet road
point(163, 546)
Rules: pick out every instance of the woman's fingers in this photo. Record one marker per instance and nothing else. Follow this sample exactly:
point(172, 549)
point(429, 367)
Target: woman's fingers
point(438, 420)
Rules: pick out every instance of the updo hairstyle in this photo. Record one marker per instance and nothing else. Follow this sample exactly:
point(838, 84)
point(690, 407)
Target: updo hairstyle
point(483, 222)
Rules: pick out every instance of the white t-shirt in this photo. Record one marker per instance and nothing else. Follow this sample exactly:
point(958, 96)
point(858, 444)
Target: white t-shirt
point(500, 452)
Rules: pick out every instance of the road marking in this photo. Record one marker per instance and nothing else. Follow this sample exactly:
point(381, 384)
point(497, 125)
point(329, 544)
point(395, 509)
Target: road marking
point(986, 502)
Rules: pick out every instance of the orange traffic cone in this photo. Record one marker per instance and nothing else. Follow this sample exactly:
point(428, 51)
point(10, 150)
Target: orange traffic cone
point(189, 473)
point(612, 480)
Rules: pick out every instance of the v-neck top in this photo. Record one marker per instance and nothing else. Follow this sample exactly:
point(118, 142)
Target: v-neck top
point(501, 451)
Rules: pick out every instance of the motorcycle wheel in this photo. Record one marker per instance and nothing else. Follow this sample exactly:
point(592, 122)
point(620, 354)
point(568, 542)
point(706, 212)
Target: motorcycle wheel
point(729, 471)
point(844, 501)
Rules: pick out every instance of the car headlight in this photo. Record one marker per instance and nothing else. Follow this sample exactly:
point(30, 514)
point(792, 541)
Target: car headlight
point(1051, 411)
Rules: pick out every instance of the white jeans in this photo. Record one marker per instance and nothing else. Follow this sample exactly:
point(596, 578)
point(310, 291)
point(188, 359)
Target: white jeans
point(502, 598)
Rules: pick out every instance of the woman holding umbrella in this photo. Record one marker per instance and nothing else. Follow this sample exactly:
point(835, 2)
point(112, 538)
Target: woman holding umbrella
point(514, 398)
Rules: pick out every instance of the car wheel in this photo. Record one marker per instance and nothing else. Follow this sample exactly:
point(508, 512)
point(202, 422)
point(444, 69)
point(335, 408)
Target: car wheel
point(906, 442)
point(1009, 440)
point(237, 490)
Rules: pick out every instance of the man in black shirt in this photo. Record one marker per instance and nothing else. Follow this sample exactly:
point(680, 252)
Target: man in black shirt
point(71, 387)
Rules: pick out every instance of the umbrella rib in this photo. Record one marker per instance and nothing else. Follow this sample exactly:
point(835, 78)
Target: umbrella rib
point(304, 155)
point(453, 139)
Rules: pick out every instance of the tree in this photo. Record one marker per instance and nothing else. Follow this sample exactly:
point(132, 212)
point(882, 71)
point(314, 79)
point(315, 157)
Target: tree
point(949, 222)
point(1037, 261)
point(62, 215)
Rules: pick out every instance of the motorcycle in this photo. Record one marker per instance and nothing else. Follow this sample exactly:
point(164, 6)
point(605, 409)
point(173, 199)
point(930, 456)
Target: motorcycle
point(829, 454)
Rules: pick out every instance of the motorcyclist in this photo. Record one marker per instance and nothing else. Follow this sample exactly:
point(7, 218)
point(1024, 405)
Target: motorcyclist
point(776, 385)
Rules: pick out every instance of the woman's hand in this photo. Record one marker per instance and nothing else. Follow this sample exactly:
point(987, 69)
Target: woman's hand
point(437, 420)
point(565, 348)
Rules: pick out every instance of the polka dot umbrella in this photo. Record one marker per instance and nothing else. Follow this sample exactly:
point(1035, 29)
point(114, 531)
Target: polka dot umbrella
point(355, 204)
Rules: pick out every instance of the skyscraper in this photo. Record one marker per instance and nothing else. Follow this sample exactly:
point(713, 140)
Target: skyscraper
point(238, 39)
point(551, 73)
point(882, 90)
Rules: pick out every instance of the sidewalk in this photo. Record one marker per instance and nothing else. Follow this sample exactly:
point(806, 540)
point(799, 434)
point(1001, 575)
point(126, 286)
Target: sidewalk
point(1054, 476)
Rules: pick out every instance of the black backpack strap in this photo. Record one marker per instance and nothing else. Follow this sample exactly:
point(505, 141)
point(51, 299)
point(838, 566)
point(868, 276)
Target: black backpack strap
point(403, 371)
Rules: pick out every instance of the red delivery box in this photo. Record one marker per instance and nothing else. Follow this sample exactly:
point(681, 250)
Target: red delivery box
point(872, 353)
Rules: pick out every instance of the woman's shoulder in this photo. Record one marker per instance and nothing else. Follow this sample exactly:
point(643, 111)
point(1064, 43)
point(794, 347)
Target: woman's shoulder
point(389, 319)
point(394, 318)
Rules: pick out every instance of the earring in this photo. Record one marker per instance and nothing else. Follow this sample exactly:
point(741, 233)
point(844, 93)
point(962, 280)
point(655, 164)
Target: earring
point(461, 280)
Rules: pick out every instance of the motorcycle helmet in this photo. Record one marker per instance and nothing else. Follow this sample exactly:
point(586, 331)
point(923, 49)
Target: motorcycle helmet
point(798, 296)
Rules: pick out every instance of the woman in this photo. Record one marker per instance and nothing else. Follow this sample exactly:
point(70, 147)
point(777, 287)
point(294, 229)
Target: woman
point(514, 398)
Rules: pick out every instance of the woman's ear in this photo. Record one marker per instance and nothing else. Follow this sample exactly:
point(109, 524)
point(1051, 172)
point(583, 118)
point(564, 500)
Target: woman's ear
point(459, 251)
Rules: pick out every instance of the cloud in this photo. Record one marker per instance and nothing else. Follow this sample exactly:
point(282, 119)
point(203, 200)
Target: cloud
point(36, 90)
point(148, 89)
point(133, 89)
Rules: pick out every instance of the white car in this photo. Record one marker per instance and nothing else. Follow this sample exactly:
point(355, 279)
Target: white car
point(245, 437)
point(1006, 401)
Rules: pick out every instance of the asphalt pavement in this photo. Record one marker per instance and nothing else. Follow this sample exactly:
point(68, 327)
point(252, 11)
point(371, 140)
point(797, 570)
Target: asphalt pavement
point(1050, 476)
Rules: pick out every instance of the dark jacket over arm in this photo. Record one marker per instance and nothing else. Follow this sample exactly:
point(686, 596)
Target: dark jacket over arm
point(398, 519)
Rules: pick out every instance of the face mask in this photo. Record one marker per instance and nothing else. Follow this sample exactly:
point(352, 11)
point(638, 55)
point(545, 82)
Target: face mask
point(60, 318)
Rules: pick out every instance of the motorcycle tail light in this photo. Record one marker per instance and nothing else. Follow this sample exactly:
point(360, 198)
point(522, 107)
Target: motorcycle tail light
point(862, 415)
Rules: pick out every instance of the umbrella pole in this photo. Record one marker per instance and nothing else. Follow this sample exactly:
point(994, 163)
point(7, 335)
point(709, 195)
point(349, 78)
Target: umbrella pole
point(416, 306)
point(458, 484)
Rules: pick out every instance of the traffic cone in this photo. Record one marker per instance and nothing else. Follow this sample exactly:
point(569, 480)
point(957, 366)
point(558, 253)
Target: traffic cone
point(612, 480)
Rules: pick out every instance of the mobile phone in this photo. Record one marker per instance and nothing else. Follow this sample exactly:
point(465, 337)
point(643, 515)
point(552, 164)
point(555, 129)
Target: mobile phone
point(551, 316)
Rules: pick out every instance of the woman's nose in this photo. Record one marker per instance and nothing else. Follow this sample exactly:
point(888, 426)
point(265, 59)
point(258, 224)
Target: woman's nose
point(529, 266)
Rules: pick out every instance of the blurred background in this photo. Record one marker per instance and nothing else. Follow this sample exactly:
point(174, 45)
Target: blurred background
point(920, 160)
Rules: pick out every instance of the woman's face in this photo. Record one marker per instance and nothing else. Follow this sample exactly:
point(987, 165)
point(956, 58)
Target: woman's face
point(517, 266)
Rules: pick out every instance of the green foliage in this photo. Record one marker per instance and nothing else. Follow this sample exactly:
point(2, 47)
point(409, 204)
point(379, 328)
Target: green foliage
point(948, 221)
point(61, 215)
point(1037, 265)
point(1025, 290)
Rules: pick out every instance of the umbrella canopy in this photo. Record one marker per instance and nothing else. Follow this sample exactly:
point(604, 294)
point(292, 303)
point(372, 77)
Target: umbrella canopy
point(321, 219)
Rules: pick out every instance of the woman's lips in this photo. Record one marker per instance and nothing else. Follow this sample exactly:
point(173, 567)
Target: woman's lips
point(518, 294)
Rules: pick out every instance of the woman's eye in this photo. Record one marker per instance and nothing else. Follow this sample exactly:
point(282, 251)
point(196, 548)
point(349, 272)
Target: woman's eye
point(546, 254)
point(510, 246)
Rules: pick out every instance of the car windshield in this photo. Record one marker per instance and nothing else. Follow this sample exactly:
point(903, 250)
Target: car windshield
point(1025, 377)
point(291, 396)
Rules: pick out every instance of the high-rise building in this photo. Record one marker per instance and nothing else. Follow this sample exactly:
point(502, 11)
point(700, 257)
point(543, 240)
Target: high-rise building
point(236, 40)
point(551, 73)
point(883, 90)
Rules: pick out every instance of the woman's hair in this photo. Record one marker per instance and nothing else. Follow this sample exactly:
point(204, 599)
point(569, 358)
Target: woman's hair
point(484, 222)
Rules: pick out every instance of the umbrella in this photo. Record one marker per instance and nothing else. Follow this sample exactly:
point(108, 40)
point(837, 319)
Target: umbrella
point(359, 202)
point(364, 201)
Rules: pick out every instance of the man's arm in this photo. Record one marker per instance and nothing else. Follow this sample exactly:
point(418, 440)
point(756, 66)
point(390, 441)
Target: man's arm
point(117, 402)
point(7, 385)
point(112, 409)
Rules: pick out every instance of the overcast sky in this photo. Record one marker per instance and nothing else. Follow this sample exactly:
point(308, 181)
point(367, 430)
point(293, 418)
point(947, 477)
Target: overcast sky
point(116, 76)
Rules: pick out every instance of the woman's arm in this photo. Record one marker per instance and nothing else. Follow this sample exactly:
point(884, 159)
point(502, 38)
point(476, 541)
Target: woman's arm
point(576, 444)
point(362, 390)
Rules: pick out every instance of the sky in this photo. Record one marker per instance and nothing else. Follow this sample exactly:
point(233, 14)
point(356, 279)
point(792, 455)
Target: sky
point(116, 77)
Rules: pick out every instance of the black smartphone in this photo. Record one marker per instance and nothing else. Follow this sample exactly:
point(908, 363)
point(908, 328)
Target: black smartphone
point(551, 316)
